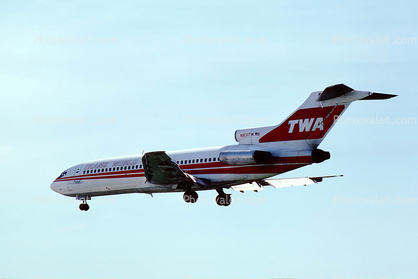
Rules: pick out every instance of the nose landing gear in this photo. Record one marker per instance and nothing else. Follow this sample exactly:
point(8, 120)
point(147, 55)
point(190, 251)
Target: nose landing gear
point(83, 206)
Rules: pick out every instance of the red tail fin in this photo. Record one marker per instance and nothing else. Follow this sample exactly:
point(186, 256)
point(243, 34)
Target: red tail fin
point(308, 123)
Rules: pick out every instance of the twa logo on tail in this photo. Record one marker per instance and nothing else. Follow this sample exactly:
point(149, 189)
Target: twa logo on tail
point(306, 124)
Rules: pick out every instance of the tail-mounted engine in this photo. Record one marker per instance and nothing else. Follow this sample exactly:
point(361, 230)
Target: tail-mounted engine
point(245, 157)
point(318, 155)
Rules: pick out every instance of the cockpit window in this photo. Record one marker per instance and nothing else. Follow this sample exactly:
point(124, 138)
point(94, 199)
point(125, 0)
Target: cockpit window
point(62, 174)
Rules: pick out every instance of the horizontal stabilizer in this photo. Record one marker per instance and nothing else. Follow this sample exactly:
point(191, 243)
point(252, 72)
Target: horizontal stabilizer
point(379, 96)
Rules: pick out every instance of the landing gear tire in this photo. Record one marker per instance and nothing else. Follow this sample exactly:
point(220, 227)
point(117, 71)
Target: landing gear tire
point(224, 200)
point(84, 207)
point(190, 196)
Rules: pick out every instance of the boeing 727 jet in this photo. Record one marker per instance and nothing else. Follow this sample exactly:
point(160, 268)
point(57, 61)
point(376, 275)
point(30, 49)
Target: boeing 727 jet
point(261, 153)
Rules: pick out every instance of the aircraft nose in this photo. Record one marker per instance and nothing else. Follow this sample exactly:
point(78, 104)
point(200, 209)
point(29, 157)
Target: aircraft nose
point(54, 187)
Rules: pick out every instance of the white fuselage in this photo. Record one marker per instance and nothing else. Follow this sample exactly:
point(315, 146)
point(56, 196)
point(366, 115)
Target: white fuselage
point(126, 174)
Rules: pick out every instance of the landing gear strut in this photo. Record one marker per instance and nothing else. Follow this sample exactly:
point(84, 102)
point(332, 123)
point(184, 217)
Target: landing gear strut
point(190, 196)
point(83, 206)
point(223, 199)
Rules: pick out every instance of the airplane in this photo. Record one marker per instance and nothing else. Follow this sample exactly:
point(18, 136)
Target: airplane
point(260, 154)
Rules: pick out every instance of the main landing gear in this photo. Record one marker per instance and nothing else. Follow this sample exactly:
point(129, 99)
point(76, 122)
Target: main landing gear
point(223, 199)
point(190, 196)
point(83, 206)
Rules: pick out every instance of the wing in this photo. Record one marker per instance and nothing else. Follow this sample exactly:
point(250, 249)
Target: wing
point(280, 183)
point(160, 169)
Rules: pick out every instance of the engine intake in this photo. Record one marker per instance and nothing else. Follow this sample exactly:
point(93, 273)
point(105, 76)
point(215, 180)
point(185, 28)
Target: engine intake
point(245, 157)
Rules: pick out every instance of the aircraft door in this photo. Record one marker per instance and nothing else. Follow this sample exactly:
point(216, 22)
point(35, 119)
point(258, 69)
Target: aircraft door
point(77, 173)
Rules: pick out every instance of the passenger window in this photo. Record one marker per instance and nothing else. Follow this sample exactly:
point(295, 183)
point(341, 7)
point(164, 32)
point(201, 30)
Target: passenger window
point(102, 170)
point(140, 166)
point(214, 159)
point(129, 167)
point(124, 168)
point(201, 160)
point(117, 168)
point(210, 159)
point(94, 171)
point(193, 161)
point(181, 162)
point(206, 160)
point(84, 172)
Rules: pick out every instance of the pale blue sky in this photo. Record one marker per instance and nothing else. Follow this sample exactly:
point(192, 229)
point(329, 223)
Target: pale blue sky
point(150, 82)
